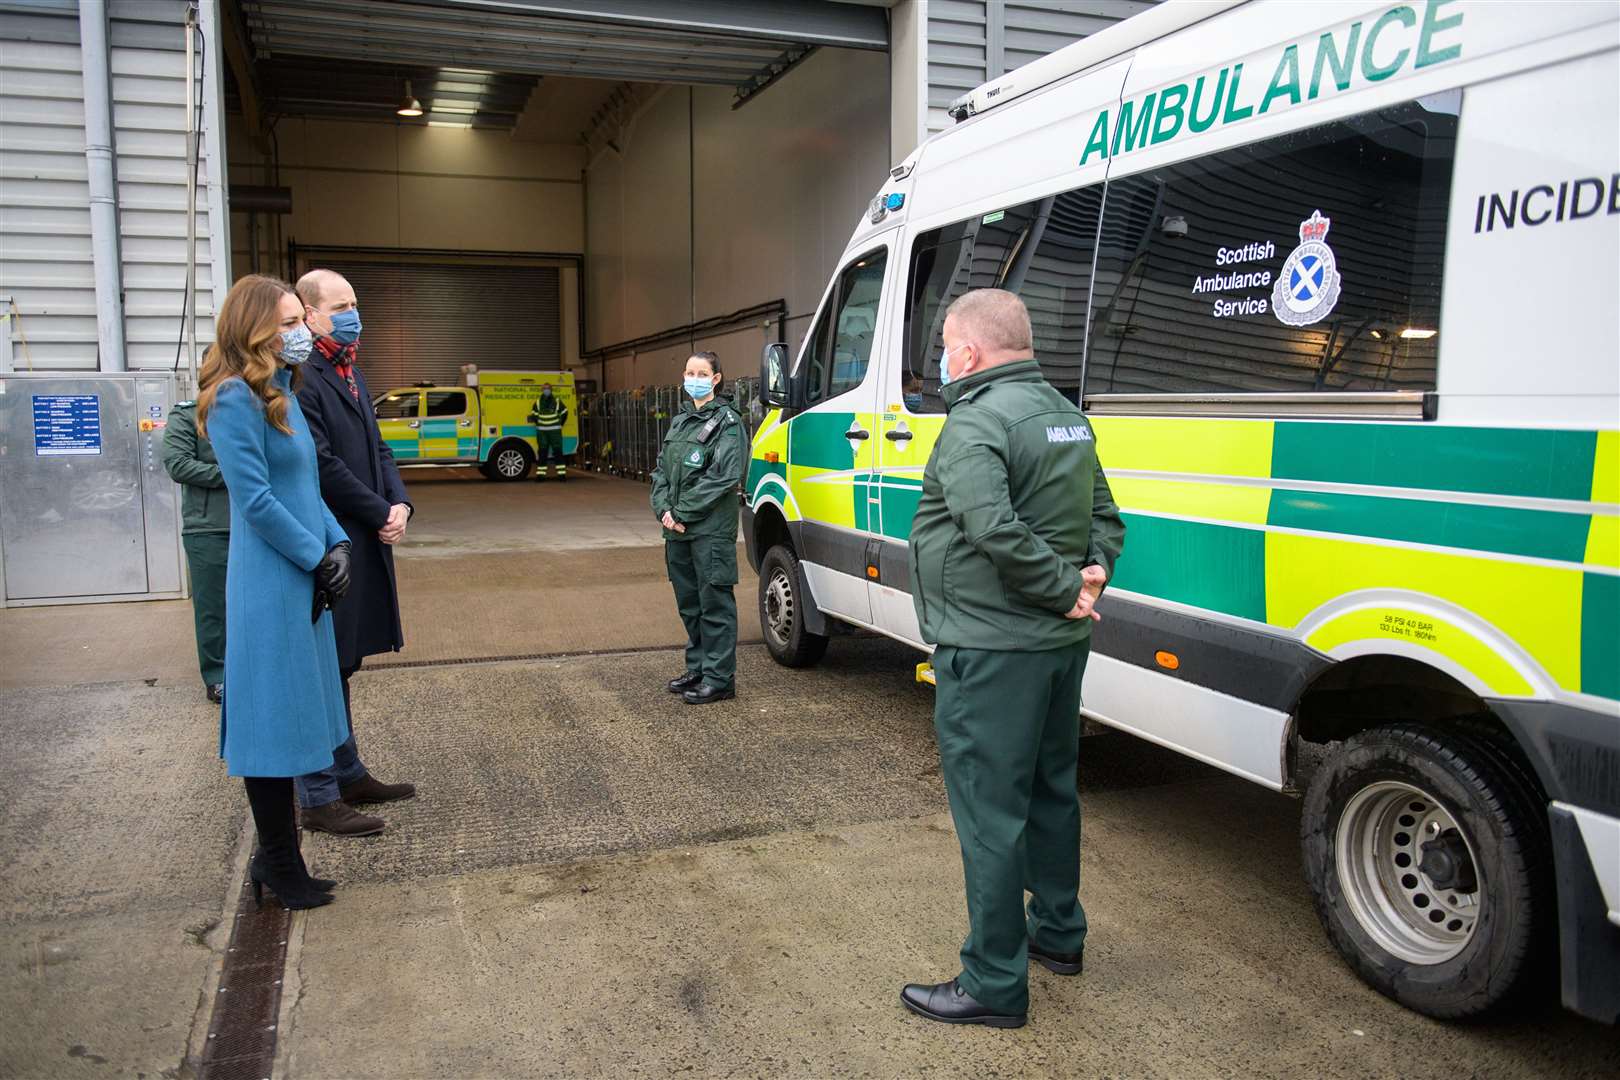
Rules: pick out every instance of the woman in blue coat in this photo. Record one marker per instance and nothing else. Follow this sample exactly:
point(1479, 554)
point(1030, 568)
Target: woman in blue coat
point(283, 711)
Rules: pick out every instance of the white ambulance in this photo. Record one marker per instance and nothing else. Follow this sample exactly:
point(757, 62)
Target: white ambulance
point(1336, 284)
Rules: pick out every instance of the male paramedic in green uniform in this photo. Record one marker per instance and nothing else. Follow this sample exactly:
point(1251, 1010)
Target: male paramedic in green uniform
point(205, 532)
point(549, 416)
point(1012, 543)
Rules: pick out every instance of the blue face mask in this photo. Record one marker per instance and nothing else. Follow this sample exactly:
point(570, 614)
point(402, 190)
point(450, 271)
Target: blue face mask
point(699, 387)
point(945, 366)
point(295, 345)
point(913, 402)
point(346, 327)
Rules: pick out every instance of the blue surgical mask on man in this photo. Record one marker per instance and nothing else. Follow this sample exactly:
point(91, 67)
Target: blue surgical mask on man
point(945, 365)
point(698, 387)
point(296, 345)
point(346, 327)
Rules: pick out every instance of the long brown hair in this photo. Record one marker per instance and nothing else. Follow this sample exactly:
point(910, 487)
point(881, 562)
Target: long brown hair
point(246, 341)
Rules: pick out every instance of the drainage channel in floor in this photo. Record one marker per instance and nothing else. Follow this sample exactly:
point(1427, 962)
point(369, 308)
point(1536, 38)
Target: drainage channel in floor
point(241, 1041)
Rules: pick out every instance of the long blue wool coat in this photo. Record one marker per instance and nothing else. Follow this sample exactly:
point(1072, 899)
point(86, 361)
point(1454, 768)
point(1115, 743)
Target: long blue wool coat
point(283, 711)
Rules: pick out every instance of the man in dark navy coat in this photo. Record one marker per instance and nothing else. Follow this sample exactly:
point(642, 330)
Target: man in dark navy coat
point(361, 486)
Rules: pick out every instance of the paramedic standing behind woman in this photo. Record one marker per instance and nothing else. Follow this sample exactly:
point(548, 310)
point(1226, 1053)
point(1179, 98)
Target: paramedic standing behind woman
point(694, 495)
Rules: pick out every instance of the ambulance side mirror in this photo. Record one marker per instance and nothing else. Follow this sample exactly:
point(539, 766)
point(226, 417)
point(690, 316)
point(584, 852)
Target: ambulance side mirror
point(776, 387)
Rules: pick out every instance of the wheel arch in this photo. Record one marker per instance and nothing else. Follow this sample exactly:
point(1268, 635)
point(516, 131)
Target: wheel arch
point(1372, 690)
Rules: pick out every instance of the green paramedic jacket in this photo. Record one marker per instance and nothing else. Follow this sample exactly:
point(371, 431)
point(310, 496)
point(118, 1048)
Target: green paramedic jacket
point(1014, 503)
point(205, 505)
point(699, 470)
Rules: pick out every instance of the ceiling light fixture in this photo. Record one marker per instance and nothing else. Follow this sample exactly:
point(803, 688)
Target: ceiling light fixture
point(1418, 333)
point(408, 105)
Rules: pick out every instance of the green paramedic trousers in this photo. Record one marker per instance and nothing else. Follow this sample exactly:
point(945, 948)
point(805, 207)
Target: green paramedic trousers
point(206, 555)
point(703, 571)
point(1008, 725)
point(551, 452)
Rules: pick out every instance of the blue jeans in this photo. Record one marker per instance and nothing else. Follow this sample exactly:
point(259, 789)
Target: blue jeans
point(319, 788)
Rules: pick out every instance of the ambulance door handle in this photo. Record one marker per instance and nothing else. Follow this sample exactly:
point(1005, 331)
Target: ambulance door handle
point(897, 435)
point(466, 423)
point(415, 424)
point(857, 433)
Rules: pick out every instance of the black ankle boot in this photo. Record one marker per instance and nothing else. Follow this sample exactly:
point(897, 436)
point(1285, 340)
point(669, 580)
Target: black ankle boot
point(319, 884)
point(279, 864)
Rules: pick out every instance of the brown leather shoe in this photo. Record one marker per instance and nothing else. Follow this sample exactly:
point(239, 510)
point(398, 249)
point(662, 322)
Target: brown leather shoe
point(340, 819)
point(368, 789)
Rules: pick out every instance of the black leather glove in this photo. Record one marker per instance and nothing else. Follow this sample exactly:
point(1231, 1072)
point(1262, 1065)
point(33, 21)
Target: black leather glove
point(332, 573)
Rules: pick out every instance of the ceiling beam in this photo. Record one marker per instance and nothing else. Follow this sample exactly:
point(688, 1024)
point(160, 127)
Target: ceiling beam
point(811, 22)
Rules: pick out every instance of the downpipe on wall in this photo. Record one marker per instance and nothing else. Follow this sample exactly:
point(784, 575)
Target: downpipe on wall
point(100, 157)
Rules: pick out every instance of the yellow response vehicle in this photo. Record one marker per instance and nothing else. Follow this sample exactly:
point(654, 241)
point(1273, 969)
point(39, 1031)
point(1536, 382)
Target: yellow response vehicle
point(484, 423)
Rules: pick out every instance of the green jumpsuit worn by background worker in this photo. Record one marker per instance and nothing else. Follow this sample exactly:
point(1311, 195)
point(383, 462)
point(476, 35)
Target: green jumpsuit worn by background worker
point(1014, 505)
point(549, 415)
point(205, 530)
point(696, 482)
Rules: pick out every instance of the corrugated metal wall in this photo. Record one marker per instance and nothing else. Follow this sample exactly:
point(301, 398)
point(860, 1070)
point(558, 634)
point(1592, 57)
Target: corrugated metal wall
point(971, 42)
point(45, 253)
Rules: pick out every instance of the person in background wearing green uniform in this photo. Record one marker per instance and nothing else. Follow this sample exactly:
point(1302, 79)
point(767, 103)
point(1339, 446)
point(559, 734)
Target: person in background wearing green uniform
point(549, 416)
point(205, 514)
point(694, 496)
point(1012, 543)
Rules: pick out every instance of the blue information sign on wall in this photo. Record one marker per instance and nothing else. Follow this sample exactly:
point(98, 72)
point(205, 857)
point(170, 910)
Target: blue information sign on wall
point(67, 425)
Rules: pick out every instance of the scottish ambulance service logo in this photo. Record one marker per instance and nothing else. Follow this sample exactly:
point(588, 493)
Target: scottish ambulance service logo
point(1308, 286)
point(695, 458)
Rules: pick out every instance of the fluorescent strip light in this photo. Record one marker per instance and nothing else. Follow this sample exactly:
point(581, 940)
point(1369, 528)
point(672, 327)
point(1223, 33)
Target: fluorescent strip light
point(1420, 334)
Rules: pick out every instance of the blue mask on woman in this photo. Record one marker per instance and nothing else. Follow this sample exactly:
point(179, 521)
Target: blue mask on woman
point(699, 388)
point(914, 402)
point(346, 327)
point(296, 345)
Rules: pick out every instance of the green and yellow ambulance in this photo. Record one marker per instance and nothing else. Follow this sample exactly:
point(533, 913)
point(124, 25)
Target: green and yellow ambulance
point(485, 422)
point(1336, 284)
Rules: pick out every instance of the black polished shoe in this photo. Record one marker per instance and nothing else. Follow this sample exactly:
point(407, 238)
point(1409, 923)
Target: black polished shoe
point(704, 694)
point(948, 1003)
point(216, 693)
point(685, 682)
point(1058, 963)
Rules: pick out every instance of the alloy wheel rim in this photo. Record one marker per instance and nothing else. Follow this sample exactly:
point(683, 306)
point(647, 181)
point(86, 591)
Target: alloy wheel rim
point(1391, 838)
point(510, 463)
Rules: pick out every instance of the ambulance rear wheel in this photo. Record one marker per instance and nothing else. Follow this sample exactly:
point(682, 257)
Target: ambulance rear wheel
point(782, 598)
point(509, 461)
point(1431, 867)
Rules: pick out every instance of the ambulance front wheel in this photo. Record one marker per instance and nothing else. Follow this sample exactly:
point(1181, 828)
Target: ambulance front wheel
point(782, 597)
point(509, 461)
point(1429, 859)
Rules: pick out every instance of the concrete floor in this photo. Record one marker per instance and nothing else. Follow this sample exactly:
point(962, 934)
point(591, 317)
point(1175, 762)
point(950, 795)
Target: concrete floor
point(548, 560)
point(599, 880)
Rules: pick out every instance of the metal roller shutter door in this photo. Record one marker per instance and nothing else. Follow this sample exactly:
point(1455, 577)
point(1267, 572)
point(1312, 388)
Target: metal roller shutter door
point(424, 320)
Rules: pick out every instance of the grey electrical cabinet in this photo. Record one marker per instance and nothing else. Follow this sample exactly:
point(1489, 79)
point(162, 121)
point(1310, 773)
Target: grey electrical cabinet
point(87, 512)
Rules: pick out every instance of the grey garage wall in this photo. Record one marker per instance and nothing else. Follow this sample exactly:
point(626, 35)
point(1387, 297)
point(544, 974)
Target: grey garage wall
point(45, 261)
point(704, 210)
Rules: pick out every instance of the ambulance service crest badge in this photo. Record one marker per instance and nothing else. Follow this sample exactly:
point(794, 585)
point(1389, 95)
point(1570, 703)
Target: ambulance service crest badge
point(1308, 286)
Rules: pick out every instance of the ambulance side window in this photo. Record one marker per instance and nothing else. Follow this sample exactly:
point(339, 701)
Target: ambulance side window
point(400, 406)
point(1307, 263)
point(840, 348)
point(446, 402)
point(1041, 250)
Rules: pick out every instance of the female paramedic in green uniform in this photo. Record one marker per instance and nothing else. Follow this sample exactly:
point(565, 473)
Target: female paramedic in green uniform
point(694, 495)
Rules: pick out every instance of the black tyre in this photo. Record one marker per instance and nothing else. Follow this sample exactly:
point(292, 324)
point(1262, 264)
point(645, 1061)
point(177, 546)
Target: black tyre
point(1428, 857)
point(508, 461)
point(782, 597)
